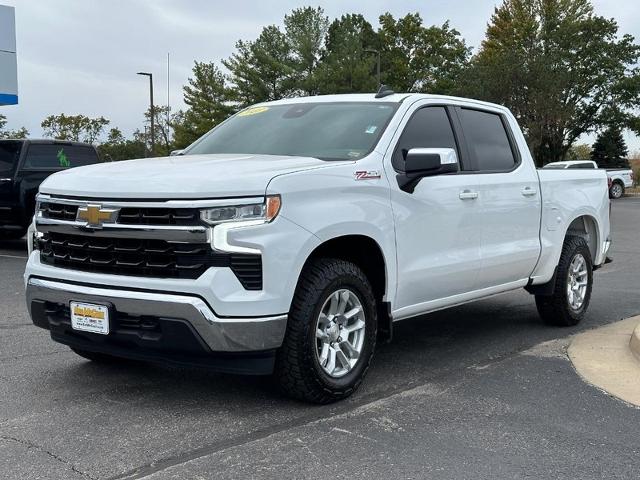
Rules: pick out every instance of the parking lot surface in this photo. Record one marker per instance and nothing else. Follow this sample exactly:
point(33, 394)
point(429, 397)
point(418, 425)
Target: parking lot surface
point(484, 390)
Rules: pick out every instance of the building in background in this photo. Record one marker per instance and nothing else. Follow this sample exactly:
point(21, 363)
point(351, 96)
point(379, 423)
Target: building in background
point(8, 61)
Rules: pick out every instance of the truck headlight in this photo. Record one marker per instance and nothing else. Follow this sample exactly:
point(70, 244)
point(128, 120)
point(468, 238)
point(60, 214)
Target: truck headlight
point(265, 211)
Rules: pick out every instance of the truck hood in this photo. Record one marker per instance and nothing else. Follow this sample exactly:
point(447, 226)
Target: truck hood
point(179, 177)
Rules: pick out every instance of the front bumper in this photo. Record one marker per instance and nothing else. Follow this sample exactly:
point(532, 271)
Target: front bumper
point(151, 324)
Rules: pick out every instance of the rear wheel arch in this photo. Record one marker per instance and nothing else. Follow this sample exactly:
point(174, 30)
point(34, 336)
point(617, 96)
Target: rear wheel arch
point(586, 227)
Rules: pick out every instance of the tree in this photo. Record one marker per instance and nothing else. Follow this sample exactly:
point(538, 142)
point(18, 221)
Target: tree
point(346, 66)
point(610, 149)
point(117, 147)
point(261, 70)
point(561, 69)
point(76, 128)
point(163, 130)
point(416, 58)
point(305, 30)
point(207, 97)
point(579, 151)
point(20, 133)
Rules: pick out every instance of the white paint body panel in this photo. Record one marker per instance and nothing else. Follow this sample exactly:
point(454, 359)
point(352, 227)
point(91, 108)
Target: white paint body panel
point(624, 176)
point(439, 249)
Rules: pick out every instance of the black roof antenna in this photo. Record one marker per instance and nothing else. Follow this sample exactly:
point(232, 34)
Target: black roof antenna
point(384, 91)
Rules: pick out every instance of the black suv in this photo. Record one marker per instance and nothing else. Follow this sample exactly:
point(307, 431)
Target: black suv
point(24, 164)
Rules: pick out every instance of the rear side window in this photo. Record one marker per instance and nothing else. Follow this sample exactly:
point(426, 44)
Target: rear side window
point(487, 139)
point(57, 157)
point(582, 165)
point(429, 127)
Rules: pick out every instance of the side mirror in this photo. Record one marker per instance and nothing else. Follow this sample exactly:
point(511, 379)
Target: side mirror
point(426, 162)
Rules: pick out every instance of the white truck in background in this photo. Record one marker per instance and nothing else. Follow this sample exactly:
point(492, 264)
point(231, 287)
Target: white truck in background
point(619, 178)
point(292, 236)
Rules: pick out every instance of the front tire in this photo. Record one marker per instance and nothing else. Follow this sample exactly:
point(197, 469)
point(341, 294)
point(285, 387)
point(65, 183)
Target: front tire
point(573, 283)
point(331, 333)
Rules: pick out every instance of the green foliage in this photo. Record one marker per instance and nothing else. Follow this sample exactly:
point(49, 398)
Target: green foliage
point(163, 130)
point(305, 31)
point(208, 100)
point(261, 70)
point(561, 69)
point(20, 133)
point(580, 151)
point(76, 128)
point(416, 58)
point(117, 147)
point(347, 66)
point(610, 149)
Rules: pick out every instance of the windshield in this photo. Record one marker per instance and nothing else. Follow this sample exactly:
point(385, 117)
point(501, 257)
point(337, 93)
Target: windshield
point(329, 131)
point(9, 154)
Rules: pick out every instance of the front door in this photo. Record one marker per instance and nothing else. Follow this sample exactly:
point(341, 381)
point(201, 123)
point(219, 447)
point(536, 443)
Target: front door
point(437, 226)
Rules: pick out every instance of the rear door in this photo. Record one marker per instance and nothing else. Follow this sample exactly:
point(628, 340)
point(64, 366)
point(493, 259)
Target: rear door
point(508, 190)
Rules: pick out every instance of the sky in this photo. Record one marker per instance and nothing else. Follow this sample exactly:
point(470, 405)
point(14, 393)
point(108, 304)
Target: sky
point(81, 56)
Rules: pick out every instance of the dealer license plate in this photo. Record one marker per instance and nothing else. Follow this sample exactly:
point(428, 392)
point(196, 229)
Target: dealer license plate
point(88, 317)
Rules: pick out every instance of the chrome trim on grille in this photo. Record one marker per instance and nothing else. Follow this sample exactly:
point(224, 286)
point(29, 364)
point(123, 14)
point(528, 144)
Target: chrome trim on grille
point(170, 233)
point(219, 202)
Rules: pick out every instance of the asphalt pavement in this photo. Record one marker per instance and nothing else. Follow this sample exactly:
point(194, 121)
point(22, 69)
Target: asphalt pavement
point(484, 390)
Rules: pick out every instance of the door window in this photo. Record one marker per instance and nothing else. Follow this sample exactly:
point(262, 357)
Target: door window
point(582, 165)
point(429, 127)
point(488, 140)
point(9, 154)
point(58, 156)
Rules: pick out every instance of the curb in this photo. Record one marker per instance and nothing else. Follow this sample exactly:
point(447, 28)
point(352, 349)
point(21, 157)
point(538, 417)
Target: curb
point(634, 343)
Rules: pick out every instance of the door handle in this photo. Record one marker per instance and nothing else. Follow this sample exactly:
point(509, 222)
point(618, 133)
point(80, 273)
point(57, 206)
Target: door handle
point(468, 195)
point(529, 192)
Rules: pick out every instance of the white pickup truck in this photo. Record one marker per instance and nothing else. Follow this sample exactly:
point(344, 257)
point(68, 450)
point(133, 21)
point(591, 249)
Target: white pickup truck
point(293, 235)
point(619, 178)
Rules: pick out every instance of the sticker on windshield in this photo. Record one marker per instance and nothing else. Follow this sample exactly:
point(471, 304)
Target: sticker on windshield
point(252, 111)
point(371, 129)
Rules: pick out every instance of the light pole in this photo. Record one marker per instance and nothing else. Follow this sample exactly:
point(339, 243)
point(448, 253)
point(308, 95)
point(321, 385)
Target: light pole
point(151, 111)
point(377, 52)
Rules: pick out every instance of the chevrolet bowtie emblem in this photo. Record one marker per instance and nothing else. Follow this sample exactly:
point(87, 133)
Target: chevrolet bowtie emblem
point(96, 216)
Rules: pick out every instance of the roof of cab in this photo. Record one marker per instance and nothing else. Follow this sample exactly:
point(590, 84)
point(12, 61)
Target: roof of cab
point(47, 141)
point(371, 97)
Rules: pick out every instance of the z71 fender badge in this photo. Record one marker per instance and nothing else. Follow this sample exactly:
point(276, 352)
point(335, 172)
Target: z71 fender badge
point(366, 174)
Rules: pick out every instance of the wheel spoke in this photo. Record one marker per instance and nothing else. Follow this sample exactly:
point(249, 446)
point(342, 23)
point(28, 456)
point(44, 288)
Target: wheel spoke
point(350, 351)
point(344, 361)
point(333, 306)
point(344, 298)
point(353, 312)
point(357, 325)
point(331, 363)
point(320, 335)
point(324, 355)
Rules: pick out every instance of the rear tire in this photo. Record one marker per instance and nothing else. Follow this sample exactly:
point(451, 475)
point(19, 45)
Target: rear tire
point(315, 363)
point(97, 357)
point(573, 283)
point(617, 190)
